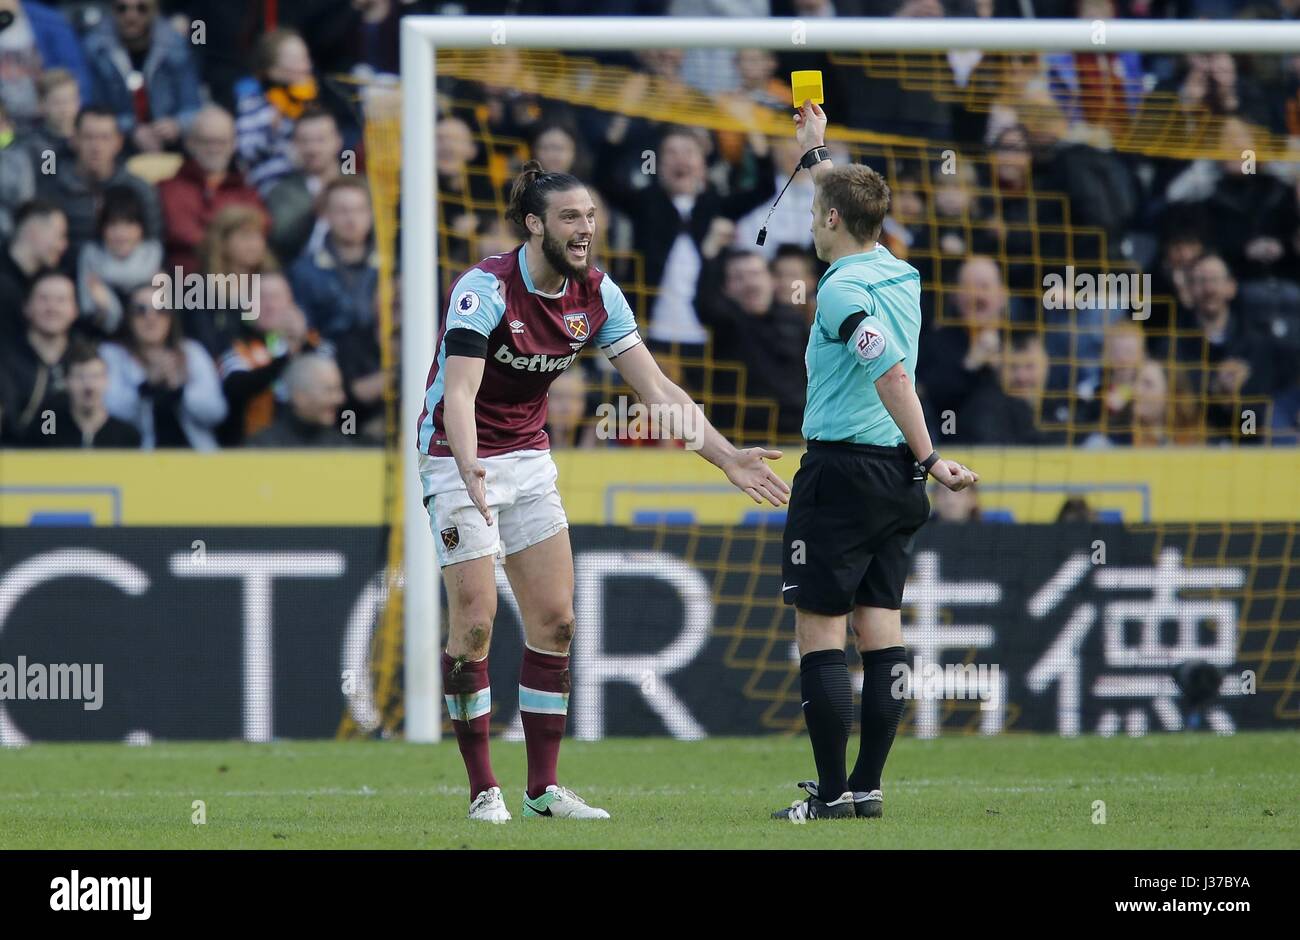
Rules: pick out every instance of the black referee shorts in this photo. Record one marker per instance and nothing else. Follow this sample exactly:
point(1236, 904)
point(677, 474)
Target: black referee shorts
point(848, 533)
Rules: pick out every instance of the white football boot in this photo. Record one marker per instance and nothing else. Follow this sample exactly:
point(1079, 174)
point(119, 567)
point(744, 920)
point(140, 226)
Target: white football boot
point(490, 806)
point(561, 803)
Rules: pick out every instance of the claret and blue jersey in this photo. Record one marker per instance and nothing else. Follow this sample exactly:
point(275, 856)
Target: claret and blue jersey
point(532, 337)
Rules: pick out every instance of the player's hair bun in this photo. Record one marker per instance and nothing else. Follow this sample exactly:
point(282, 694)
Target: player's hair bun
point(531, 189)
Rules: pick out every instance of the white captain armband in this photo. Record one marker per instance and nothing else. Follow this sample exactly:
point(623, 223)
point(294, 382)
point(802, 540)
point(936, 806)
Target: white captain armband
point(622, 344)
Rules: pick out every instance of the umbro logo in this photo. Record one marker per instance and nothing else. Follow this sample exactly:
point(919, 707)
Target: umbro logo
point(516, 326)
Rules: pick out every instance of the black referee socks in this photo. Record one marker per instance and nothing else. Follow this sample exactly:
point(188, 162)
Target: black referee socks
point(828, 712)
point(881, 711)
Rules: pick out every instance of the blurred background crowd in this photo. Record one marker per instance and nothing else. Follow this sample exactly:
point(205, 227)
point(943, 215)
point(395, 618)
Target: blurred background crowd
point(226, 137)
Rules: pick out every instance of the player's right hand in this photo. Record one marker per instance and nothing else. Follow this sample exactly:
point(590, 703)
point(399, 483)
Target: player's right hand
point(475, 477)
point(953, 475)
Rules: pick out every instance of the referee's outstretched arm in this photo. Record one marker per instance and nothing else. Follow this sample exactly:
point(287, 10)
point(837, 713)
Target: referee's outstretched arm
point(898, 395)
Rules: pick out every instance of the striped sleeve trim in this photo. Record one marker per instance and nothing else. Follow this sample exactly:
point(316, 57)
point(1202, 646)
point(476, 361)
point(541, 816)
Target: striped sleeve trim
point(543, 703)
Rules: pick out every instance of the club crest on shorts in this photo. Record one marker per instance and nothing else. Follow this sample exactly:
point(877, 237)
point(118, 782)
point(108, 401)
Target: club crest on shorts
point(577, 325)
point(450, 538)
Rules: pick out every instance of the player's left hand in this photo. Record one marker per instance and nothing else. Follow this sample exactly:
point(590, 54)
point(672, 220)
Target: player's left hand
point(749, 474)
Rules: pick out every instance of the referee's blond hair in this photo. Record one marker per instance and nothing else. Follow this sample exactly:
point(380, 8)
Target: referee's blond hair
point(859, 194)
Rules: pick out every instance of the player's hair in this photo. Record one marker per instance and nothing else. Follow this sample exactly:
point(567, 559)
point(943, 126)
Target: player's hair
point(859, 194)
point(532, 190)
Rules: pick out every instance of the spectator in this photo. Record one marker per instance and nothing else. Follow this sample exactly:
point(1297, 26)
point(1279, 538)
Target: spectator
point(36, 365)
point(566, 403)
point(673, 217)
point(796, 279)
point(955, 360)
point(1100, 190)
point(252, 368)
point(17, 175)
point(360, 357)
point(1108, 400)
point(161, 383)
point(312, 418)
point(461, 186)
point(1098, 88)
point(1224, 360)
point(60, 102)
point(87, 424)
point(270, 103)
point(555, 147)
point(1285, 423)
point(1210, 82)
point(336, 284)
point(789, 222)
point(78, 189)
point(1159, 415)
point(1075, 510)
point(291, 203)
point(736, 299)
point(143, 72)
point(234, 244)
point(38, 38)
point(1021, 223)
point(1010, 409)
point(1254, 212)
point(119, 259)
point(39, 243)
point(204, 185)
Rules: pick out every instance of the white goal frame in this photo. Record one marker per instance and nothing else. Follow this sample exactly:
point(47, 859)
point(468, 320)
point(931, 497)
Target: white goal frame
point(422, 36)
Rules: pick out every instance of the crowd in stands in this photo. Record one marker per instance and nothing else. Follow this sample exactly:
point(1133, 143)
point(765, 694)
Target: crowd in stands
point(130, 149)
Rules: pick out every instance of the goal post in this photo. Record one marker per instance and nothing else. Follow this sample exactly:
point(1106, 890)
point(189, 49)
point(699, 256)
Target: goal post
point(422, 36)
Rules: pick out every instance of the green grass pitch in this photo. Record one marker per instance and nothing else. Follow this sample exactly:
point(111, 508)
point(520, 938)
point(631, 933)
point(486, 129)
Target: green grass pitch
point(1014, 791)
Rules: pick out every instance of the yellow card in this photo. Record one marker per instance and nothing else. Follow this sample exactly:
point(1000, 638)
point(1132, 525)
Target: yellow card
point(806, 86)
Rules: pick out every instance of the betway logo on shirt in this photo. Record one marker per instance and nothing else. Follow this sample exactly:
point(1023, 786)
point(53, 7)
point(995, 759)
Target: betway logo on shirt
point(536, 363)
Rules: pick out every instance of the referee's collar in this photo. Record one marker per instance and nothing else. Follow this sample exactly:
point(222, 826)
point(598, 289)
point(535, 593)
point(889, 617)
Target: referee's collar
point(878, 252)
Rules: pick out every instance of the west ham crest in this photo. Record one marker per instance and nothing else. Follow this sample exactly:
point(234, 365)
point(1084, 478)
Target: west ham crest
point(577, 325)
point(450, 538)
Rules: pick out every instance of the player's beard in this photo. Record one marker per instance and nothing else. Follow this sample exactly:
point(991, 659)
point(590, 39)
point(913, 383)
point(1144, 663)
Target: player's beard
point(554, 251)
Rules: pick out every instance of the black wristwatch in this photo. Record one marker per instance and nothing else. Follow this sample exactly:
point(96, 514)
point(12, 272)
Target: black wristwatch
point(930, 461)
point(814, 157)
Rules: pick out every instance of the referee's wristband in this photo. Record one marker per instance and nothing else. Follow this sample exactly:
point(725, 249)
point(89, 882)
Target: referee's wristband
point(930, 461)
point(813, 157)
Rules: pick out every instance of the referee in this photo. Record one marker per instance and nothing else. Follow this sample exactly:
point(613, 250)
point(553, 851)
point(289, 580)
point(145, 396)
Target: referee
point(859, 494)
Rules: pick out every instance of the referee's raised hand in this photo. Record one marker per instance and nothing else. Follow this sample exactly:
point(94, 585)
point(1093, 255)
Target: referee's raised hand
point(953, 475)
point(810, 125)
point(749, 474)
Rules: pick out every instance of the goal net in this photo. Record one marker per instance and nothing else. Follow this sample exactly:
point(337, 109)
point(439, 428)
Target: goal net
point(1105, 219)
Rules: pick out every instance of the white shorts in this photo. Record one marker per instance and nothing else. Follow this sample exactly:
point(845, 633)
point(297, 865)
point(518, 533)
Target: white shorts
point(521, 493)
